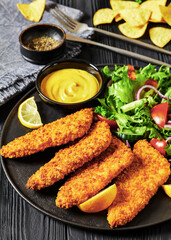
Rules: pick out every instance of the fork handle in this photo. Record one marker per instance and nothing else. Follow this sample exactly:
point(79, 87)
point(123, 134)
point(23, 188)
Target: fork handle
point(117, 50)
point(121, 37)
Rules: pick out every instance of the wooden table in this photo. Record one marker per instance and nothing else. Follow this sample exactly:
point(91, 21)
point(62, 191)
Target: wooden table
point(19, 220)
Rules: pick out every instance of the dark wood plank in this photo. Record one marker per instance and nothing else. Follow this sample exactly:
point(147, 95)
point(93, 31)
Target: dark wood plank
point(19, 220)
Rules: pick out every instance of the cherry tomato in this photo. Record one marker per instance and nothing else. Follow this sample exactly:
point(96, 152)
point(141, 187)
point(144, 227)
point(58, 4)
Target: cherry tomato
point(159, 145)
point(151, 82)
point(112, 123)
point(131, 68)
point(159, 113)
point(131, 72)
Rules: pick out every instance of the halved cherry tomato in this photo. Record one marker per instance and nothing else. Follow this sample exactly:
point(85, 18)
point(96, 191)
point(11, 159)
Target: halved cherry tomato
point(159, 113)
point(112, 123)
point(159, 145)
point(131, 72)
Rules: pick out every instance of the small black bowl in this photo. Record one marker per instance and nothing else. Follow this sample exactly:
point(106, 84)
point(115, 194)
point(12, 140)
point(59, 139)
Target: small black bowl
point(38, 31)
point(65, 64)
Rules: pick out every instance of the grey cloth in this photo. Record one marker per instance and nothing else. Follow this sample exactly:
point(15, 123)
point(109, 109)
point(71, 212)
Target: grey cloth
point(15, 72)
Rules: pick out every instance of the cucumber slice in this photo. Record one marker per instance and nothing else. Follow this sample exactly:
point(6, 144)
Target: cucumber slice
point(130, 138)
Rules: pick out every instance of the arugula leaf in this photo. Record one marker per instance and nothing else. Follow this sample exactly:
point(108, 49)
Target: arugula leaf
point(163, 76)
point(105, 112)
point(167, 94)
point(151, 101)
point(153, 133)
point(165, 132)
point(148, 71)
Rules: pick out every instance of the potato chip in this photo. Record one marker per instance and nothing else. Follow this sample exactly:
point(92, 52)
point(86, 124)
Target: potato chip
point(117, 6)
point(104, 15)
point(160, 36)
point(32, 11)
point(162, 2)
point(132, 32)
point(166, 13)
point(156, 15)
point(136, 16)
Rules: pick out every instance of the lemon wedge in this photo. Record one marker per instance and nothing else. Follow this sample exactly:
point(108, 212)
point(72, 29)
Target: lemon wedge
point(100, 201)
point(28, 114)
point(167, 189)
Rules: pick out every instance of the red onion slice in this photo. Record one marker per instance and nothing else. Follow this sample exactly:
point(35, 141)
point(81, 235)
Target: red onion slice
point(168, 139)
point(167, 126)
point(127, 143)
point(151, 87)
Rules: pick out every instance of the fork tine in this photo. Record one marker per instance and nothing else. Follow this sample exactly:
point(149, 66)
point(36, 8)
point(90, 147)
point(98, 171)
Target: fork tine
point(65, 19)
point(70, 20)
point(69, 23)
point(65, 23)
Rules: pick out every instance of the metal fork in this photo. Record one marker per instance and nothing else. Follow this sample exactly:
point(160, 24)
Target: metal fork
point(77, 27)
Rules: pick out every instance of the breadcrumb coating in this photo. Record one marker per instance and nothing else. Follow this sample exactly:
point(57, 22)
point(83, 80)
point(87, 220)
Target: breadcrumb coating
point(67, 160)
point(138, 183)
point(95, 175)
point(52, 134)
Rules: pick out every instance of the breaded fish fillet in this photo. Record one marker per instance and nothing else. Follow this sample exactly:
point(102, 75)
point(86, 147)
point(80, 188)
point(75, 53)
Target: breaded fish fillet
point(68, 159)
point(52, 134)
point(95, 175)
point(138, 183)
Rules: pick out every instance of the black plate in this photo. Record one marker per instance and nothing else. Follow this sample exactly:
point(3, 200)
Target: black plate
point(19, 170)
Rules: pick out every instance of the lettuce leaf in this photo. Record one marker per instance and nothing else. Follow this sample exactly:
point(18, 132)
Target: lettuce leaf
point(168, 149)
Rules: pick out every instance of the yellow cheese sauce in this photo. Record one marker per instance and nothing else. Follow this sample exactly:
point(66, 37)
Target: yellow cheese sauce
point(70, 85)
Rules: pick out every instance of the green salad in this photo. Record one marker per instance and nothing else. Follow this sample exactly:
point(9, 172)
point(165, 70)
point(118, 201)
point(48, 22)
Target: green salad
point(139, 101)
